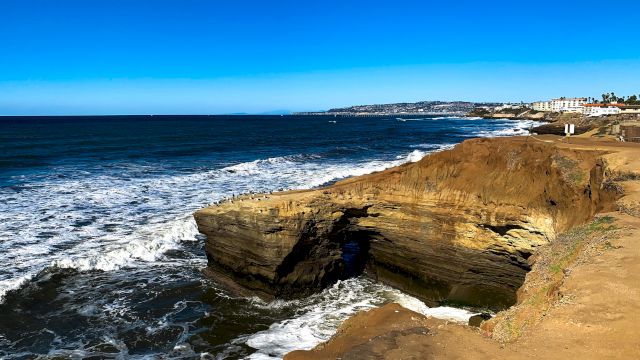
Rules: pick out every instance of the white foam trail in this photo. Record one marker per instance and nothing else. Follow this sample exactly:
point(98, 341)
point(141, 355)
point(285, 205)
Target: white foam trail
point(441, 312)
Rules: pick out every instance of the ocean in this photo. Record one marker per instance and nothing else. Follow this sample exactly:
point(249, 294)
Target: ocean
point(101, 257)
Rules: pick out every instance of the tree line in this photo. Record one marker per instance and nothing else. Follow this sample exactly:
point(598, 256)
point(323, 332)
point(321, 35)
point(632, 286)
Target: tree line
point(608, 98)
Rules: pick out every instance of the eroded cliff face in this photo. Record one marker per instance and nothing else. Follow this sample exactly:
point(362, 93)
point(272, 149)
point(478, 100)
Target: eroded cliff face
point(457, 226)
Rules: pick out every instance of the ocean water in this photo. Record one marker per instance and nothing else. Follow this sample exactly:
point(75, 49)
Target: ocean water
point(101, 256)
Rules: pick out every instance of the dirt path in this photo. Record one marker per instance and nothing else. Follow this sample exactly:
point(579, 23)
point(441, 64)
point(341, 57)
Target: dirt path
point(600, 318)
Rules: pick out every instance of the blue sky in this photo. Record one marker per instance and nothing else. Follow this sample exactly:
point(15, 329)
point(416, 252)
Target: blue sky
point(208, 57)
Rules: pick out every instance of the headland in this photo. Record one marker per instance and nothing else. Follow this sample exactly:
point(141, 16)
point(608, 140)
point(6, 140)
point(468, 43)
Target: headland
point(578, 301)
point(502, 224)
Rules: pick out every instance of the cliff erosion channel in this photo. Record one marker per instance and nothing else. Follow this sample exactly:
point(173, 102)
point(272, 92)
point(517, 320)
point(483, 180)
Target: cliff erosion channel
point(457, 226)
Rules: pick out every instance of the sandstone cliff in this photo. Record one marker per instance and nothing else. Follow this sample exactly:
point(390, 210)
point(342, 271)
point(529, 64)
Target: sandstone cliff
point(577, 302)
point(457, 226)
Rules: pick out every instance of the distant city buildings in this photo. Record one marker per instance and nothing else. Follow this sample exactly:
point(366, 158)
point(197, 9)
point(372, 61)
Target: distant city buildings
point(572, 105)
point(560, 105)
point(580, 106)
point(512, 106)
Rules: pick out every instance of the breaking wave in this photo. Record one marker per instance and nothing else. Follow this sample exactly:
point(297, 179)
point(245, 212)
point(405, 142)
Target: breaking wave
point(110, 222)
point(514, 128)
point(318, 316)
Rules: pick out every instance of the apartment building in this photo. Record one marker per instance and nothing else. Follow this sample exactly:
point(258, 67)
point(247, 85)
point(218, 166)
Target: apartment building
point(600, 109)
point(560, 105)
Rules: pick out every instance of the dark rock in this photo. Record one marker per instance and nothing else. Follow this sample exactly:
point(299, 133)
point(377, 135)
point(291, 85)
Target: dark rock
point(476, 320)
point(558, 129)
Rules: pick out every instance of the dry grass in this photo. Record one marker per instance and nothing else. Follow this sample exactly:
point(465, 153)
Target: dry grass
point(570, 169)
point(553, 263)
point(624, 176)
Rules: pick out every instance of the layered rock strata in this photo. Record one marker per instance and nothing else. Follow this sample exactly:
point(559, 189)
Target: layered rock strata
point(457, 226)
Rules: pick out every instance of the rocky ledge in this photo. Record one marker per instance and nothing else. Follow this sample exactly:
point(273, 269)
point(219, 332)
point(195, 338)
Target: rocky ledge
point(457, 226)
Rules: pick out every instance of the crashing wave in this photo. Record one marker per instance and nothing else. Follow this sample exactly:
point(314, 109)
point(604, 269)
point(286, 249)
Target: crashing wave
point(318, 316)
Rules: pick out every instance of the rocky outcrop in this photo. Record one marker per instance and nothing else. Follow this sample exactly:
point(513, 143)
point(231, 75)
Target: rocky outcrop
point(522, 113)
point(456, 226)
point(558, 129)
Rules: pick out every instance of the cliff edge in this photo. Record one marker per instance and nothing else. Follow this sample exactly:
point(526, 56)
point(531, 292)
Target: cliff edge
point(579, 301)
point(457, 226)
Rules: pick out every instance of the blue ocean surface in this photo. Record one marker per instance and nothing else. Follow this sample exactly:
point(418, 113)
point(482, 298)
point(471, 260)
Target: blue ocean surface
point(101, 256)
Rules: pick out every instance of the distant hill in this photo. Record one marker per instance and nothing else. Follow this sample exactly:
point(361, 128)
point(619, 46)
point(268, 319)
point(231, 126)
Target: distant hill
point(276, 112)
point(421, 107)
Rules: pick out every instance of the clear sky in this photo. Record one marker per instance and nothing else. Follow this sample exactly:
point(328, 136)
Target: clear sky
point(210, 57)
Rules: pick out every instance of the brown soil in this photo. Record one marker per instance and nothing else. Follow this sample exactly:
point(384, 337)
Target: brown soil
point(580, 301)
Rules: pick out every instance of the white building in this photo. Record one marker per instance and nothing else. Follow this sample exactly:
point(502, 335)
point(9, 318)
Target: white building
point(600, 109)
point(541, 106)
point(511, 106)
point(629, 109)
point(560, 105)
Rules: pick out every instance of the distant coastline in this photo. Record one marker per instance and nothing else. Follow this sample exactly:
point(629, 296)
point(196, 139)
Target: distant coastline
point(376, 114)
point(421, 108)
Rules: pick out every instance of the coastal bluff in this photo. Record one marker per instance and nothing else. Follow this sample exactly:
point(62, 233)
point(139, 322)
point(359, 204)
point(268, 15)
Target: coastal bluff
point(458, 226)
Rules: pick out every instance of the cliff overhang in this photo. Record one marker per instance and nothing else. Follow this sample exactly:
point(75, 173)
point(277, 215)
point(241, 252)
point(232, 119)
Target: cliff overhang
point(457, 226)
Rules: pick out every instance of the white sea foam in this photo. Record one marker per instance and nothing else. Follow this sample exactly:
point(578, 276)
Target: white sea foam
point(429, 148)
point(151, 244)
point(417, 119)
point(319, 316)
point(415, 155)
point(108, 222)
point(442, 312)
point(510, 128)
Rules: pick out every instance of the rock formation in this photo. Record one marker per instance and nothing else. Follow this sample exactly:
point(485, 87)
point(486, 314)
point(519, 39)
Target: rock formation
point(457, 226)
